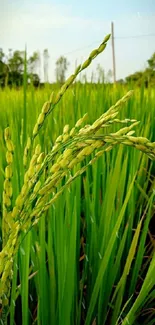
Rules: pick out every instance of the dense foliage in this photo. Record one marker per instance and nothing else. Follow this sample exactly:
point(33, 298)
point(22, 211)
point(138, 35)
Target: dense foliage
point(77, 204)
point(12, 70)
point(146, 77)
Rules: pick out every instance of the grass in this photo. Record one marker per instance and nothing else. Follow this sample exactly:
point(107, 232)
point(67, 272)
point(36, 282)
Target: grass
point(90, 259)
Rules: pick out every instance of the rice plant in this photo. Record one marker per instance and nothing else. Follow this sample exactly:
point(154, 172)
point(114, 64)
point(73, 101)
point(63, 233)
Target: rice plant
point(76, 211)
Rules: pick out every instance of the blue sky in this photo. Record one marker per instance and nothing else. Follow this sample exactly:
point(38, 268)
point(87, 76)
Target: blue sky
point(76, 27)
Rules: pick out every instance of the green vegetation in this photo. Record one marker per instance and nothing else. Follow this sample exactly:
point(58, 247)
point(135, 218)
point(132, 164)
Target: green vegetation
point(12, 71)
point(61, 68)
point(12, 68)
point(146, 77)
point(77, 198)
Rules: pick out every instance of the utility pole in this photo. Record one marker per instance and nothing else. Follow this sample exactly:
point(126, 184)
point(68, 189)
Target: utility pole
point(113, 52)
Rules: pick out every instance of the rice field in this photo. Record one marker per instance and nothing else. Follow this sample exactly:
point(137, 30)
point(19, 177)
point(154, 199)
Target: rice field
point(89, 259)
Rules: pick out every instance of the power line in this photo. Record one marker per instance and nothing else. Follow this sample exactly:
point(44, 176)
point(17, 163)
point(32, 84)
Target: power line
point(135, 36)
point(81, 48)
point(97, 42)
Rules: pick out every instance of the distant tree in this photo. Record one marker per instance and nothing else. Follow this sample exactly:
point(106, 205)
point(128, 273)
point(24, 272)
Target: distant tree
point(92, 77)
point(10, 52)
point(134, 77)
point(46, 61)
point(35, 79)
point(84, 78)
point(33, 62)
point(151, 62)
point(146, 77)
point(2, 55)
point(101, 74)
point(61, 68)
point(33, 65)
point(12, 68)
point(109, 76)
point(120, 81)
point(16, 67)
point(16, 62)
point(4, 69)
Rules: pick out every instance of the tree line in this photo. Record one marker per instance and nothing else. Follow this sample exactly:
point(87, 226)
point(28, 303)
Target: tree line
point(13, 65)
point(146, 77)
point(12, 69)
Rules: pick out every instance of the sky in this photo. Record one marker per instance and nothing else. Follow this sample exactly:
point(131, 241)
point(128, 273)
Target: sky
point(75, 27)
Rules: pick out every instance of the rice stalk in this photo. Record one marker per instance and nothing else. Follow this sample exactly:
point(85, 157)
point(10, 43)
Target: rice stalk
point(55, 98)
point(82, 145)
point(72, 148)
point(7, 191)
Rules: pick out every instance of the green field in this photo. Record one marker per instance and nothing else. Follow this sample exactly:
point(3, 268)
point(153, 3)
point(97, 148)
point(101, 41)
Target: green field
point(90, 257)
